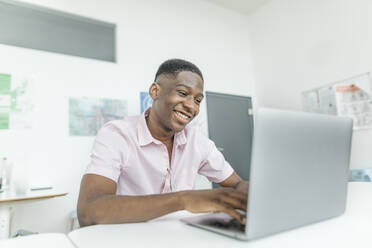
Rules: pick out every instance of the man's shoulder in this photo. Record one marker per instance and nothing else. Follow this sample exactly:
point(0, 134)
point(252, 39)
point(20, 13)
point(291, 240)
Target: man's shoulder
point(126, 126)
point(194, 132)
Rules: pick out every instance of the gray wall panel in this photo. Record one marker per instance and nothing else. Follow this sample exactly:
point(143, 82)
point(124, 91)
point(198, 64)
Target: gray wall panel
point(230, 126)
point(40, 28)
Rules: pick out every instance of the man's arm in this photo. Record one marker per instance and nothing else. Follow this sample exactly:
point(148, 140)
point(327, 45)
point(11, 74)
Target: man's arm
point(99, 204)
point(234, 181)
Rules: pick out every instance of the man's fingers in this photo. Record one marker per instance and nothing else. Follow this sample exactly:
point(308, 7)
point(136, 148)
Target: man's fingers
point(233, 202)
point(231, 211)
point(236, 194)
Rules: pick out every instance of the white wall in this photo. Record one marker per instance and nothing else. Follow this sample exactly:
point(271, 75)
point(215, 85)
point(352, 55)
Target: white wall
point(148, 32)
point(302, 44)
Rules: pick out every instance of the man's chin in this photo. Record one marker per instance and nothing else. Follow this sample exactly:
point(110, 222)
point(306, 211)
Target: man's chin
point(178, 127)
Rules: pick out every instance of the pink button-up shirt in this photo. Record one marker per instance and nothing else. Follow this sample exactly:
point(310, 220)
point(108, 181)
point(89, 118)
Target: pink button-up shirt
point(125, 151)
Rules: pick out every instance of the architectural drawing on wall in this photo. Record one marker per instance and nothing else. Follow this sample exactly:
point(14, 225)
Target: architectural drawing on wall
point(350, 97)
point(320, 100)
point(146, 101)
point(87, 115)
point(16, 102)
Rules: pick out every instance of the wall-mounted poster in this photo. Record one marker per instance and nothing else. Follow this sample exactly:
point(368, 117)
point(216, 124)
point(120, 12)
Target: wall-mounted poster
point(320, 100)
point(146, 101)
point(356, 103)
point(16, 101)
point(87, 115)
point(350, 97)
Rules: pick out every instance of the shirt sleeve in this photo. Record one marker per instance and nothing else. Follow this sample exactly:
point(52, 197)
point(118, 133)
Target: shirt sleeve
point(214, 166)
point(106, 159)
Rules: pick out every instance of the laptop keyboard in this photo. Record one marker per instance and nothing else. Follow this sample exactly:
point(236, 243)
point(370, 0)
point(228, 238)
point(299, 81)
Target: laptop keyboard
point(232, 224)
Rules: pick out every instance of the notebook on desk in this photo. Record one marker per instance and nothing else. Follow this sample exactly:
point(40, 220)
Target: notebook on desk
point(299, 174)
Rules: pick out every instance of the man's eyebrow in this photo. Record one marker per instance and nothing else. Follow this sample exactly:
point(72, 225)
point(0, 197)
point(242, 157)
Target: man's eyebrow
point(184, 85)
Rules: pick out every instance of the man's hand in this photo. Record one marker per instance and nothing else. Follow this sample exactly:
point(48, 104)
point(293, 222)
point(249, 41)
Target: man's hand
point(242, 186)
point(234, 181)
point(225, 200)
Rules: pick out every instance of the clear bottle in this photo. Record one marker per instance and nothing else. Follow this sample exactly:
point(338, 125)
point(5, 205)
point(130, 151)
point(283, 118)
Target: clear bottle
point(2, 172)
point(7, 173)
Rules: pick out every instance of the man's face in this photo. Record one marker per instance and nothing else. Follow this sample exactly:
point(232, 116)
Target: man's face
point(178, 100)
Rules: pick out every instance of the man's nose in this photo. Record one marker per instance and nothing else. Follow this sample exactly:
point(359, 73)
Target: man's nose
point(190, 104)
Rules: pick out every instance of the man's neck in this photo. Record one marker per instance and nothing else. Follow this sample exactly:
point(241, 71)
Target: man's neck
point(157, 131)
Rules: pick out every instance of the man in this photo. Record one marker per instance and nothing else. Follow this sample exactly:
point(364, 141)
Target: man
point(143, 167)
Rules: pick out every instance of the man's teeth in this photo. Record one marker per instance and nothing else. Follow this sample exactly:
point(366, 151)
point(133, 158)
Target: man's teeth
point(182, 116)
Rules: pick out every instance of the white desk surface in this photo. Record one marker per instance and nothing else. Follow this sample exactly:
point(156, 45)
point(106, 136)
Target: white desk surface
point(353, 229)
point(11, 196)
point(45, 240)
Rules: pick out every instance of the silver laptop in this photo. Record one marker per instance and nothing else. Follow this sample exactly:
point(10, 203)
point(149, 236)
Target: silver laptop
point(299, 174)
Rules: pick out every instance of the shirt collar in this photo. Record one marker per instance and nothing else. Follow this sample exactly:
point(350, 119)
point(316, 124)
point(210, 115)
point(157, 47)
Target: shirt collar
point(145, 137)
point(180, 138)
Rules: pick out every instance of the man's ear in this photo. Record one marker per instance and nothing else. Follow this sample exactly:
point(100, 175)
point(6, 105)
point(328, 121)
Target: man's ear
point(154, 91)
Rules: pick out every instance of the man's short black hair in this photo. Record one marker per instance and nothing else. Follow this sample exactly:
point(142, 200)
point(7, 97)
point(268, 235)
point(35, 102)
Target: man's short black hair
point(174, 66)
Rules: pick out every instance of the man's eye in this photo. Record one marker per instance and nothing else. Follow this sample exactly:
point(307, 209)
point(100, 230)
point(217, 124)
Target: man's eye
point(198, 101)
point(181, 93)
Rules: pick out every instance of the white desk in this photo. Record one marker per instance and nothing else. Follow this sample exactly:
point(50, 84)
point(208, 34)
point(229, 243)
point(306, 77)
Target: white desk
point(353, 229)
point(45, 240)
point(10, 198)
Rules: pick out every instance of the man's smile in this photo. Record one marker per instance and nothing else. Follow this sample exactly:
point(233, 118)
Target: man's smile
point(182, 116)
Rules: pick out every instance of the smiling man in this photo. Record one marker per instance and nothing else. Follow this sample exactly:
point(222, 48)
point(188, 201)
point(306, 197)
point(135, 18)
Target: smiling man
point(143, 167)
